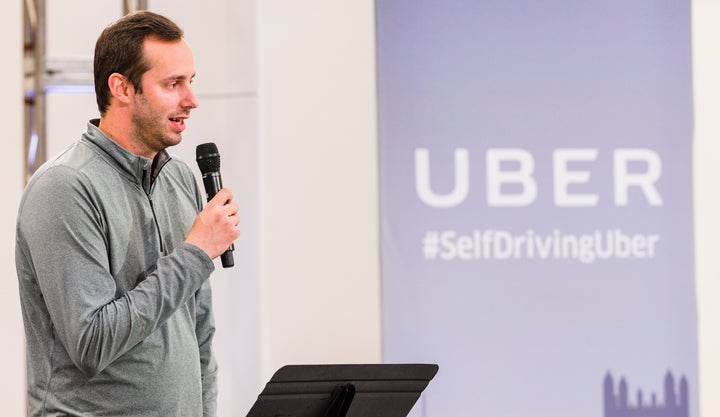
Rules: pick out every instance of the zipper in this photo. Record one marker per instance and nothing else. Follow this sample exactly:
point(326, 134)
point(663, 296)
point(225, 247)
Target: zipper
point(157, 224)
point(154, 172)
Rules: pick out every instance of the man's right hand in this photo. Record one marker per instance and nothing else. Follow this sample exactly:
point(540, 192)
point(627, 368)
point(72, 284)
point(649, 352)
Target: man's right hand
point(215, 228)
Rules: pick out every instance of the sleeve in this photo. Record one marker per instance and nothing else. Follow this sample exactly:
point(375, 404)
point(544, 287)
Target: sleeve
point(62, 230)
point(204, 331)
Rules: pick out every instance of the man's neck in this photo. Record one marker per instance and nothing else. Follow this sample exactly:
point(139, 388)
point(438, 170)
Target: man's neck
point(124, 136)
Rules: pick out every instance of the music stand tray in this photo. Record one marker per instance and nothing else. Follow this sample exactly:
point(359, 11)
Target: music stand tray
point(377, 390)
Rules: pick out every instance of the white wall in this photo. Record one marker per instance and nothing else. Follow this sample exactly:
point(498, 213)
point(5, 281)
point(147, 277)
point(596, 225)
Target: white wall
point(706, 61)
point(318, 182)
point(12, 348)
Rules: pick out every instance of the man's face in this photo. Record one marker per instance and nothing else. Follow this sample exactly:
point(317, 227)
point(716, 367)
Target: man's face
point(160, 111)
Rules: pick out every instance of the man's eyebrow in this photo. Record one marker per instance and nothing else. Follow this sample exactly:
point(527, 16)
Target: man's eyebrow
point(178, 77)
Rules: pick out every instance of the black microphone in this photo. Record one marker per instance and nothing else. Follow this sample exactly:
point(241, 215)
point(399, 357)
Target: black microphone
point(208, 160)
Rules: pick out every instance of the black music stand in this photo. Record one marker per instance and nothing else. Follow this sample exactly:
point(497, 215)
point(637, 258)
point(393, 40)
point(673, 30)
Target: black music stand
point(382, 390)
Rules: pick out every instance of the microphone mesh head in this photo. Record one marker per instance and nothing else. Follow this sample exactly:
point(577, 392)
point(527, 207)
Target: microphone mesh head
point(207, 157)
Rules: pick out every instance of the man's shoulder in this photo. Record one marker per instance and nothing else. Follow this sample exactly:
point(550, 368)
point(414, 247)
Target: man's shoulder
point(72, 161)
point(69, 163)
point(78, 170)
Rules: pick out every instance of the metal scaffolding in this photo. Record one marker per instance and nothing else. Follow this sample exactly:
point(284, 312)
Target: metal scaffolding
point(43, 75)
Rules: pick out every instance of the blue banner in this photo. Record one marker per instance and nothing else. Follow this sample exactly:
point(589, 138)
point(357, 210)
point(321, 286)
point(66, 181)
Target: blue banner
point(536, 205)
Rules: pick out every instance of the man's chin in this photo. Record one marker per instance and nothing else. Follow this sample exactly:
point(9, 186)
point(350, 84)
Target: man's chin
point(173, 139)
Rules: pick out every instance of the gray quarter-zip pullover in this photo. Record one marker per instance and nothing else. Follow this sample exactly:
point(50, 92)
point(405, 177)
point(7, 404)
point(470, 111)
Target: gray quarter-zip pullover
point(117, 309)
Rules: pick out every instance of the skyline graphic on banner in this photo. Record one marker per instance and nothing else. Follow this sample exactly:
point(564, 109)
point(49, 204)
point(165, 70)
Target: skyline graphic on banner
point(676, 403)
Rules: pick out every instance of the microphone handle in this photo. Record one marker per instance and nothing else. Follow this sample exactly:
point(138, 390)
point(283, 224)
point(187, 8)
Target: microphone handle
point(227, 258)
point(213, 183)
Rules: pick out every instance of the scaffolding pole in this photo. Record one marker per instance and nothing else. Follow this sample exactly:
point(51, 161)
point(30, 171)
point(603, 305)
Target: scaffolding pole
point(43, 75)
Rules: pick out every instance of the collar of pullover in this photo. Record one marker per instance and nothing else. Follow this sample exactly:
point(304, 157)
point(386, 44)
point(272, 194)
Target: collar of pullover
point(140, 169)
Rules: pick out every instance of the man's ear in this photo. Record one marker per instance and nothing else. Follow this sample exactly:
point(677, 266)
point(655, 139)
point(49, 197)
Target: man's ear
point(120, 87)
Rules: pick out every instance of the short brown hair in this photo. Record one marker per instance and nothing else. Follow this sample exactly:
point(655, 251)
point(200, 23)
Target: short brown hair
point(120, 49)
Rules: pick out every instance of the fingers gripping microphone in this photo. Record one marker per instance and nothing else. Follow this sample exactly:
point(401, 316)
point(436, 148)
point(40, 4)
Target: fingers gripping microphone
point(208, 160)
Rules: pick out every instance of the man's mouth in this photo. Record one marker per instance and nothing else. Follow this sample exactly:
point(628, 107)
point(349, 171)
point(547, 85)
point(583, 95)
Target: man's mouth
point(178, 123)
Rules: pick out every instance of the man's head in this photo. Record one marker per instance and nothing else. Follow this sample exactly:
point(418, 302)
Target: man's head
point(119, 49)
point(143, 76)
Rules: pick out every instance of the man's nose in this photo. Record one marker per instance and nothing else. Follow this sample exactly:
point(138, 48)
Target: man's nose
point(190, 99)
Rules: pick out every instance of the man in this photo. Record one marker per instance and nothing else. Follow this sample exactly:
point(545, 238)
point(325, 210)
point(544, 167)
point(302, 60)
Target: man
point(114, 249)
